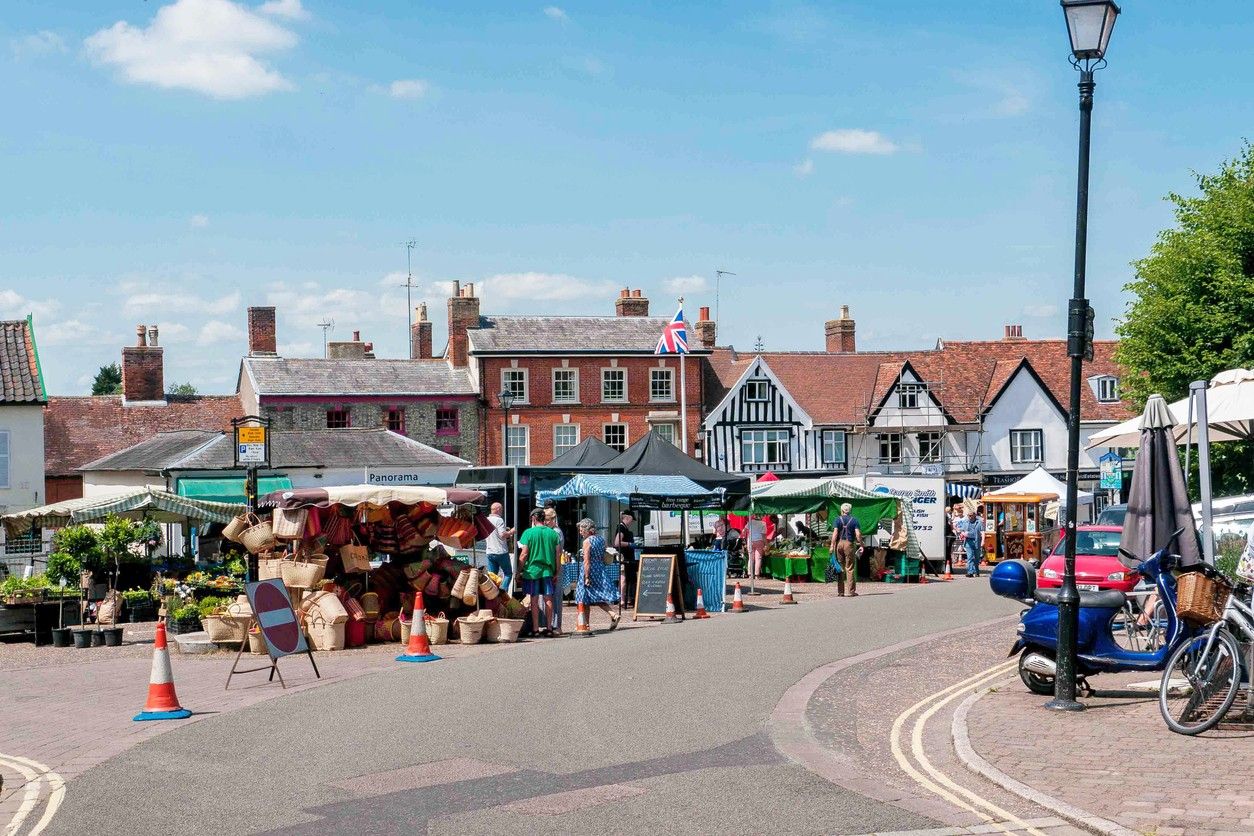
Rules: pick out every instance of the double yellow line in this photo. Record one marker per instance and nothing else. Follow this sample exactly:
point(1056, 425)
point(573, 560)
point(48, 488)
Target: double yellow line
point(936, 781)
point(36, 775)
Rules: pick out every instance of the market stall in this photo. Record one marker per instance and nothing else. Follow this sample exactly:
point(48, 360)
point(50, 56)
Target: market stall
point(1015, 526)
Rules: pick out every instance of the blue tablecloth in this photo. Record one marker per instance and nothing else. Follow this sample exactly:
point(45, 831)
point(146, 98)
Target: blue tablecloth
point(707, 570)
point(570, 576)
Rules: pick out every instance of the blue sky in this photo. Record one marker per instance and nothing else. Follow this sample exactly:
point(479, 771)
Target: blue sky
point(175, 162)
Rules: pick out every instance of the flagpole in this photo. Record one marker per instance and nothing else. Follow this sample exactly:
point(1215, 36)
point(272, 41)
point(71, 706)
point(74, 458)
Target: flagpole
point(683, 391)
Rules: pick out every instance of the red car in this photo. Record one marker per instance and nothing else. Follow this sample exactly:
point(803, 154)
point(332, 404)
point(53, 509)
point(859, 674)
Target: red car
point(1097, 563)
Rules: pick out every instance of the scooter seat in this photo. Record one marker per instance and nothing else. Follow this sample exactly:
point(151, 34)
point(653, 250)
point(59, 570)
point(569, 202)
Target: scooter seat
point(1107, 599)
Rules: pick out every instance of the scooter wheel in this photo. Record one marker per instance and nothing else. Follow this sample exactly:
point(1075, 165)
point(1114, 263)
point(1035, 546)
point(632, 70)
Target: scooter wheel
point(1036, 683)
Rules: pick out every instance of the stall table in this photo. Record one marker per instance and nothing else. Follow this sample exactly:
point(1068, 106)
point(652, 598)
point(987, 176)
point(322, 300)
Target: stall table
point(812, 568)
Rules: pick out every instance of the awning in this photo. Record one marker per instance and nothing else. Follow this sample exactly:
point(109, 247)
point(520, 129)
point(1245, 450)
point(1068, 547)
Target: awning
point(654, 492)
point(370, 495)
point(807, 496)
point(230, 490)
point(140, 503)
point(963, 490)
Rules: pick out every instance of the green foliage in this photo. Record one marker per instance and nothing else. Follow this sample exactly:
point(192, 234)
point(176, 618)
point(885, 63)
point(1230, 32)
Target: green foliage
point(108, 380)
point(137, 597)
point(210, 604)
point(183, 390)
point(63, 566)
point(75, 548)
point(1193, 303)
point(1228, 553)
point(185, 613)
point(14, 585)
point(116, 538)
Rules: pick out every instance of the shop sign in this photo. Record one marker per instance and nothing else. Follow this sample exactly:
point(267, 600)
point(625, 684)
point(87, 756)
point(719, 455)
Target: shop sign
point(927, 497)
point(1111, 467)
point(250, 443)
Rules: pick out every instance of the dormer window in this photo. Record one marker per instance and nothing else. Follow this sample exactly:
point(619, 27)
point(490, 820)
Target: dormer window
point(908, 395)
point(1108, 389)
point(756, 391)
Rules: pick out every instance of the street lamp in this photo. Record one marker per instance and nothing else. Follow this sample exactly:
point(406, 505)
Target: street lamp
point(1089, 24)
point(507, 401)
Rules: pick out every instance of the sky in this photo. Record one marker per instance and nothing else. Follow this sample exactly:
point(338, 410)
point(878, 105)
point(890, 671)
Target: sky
point(172, 163)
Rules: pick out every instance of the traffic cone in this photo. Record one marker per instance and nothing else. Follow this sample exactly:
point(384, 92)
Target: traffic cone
point(163, 703)
point(581, 624)
point(419, 649)
point(787, 599)
point(700, 613)
point(738, 601)
point(949, 568)
point(670, 611)
point(923, 572)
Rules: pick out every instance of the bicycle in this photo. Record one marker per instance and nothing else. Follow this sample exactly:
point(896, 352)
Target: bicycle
point(1204, 674)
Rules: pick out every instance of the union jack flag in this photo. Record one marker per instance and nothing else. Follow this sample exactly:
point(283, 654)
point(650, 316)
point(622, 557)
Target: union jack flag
point(674, 339)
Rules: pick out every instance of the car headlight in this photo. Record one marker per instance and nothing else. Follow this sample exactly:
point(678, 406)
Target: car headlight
point(1116, 576)
point(1050, 573)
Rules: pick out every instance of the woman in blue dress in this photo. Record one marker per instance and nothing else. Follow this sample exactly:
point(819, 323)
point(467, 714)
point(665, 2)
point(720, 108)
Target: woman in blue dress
point(594, 588)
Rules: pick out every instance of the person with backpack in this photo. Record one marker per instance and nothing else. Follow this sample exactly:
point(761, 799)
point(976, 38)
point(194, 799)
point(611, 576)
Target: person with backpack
point(846, 542)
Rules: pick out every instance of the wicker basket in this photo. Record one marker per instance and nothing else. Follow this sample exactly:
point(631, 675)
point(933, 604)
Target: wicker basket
point(437, 629)
point(1200, 599)
point(304, 573)
point(235, 528)
point(508, 629)
point(269, 568)
point(222, 627)
point(256, 644)
point(259, 536)
point(470, 630)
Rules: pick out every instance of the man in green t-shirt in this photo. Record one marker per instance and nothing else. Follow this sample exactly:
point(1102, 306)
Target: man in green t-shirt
point(537, 558)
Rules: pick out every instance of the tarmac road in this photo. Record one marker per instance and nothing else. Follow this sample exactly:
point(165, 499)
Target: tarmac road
point(654, 730)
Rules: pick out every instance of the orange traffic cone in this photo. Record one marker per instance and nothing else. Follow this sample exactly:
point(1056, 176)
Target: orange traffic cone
point(787, 599)
point(923, 570)
point(738, 601)
point(700, 613)
point(670, 611)
point(581, 624)
point(419, 649)
point(949, 568)
point(163, 703)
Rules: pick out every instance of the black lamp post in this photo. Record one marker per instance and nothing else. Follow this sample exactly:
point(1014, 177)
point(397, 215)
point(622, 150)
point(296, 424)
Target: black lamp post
point(1089, 23)
point(507, 401)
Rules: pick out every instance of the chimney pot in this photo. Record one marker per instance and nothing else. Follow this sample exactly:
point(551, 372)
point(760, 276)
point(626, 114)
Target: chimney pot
point(624, 293)
point(143, 374)
point(631, 303)
point(261, 332)
point(422, 312)
point(152, 335)
point(420, 336)
point(704, 315)
point(635, 293)
point(844, 311)
point(840, 333)
point(356, 336)
point(141, 336)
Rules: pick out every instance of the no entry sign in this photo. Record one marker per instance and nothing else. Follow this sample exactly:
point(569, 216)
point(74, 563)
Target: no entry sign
point(273, 611)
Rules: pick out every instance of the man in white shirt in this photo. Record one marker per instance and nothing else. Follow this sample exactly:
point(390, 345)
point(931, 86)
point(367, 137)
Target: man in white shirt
point(755, 533)
point(496, 547)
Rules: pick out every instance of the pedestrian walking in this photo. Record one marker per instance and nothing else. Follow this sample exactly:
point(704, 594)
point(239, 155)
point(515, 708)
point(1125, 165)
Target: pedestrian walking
point(845, 544)
point(594, 588)
point(971, 532)
point(755, 534)
point(537, 556)
point(496, 547)
point(625, 545)
point(559, 575)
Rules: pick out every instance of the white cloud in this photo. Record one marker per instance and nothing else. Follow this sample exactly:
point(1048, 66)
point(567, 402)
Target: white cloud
point(554, 287)
point(15, 306)
point(556, 13)
point(146, 302)
point(69, 332)
point(853, 141)
point(174, 333)
point(214, 47)
point(804, 168)
point(1013, 103)
point(198, 221)
point(408, 88)
point(42, 42)
point(687, 284)
point(216, 331)
point(1042, 311)
point(290, 9)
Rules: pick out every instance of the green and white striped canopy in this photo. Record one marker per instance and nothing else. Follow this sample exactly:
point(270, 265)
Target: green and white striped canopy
point(139, 503)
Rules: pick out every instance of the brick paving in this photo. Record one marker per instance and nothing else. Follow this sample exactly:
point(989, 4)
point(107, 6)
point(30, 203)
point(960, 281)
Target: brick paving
point(1119, 761)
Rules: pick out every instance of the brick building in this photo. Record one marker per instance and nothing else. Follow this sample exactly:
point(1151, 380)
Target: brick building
point(572, 377)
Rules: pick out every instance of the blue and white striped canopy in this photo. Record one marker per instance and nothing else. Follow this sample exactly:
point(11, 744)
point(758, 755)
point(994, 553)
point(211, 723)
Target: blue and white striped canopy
point(963, 491)
point(623, 487)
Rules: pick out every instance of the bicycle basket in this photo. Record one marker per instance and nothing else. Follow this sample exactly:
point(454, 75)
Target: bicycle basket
point(1200, 598)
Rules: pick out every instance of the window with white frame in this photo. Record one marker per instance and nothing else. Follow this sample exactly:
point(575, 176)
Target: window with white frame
point(908, 395)
point(613, 385)
point(764, 446)
point(517, 445)
point(757, 390)
point(615, 435)
point(890, 448)
point(514, 381)
point(1108, 389)
point(4, 458)
point(667, 431)
point(834, 448)
point(565, 437)
point(661, 384)
point(931, 447)
point(566, 386)
point(1027, 446)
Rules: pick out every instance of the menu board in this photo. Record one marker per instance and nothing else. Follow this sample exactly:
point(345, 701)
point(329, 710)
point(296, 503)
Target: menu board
point(655, 581)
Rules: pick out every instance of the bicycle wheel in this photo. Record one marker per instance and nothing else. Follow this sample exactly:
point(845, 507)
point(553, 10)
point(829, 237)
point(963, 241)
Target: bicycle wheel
point(1199, 685)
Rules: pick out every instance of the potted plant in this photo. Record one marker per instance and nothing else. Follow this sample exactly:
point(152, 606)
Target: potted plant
point(185, 619)
point(75, 551)
point(138, 605)
point(62, 636)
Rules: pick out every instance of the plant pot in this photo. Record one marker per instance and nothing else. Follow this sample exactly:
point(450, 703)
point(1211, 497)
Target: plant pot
point(112, 636)
point(97, 638)
point(82, 638)
point(62, 637)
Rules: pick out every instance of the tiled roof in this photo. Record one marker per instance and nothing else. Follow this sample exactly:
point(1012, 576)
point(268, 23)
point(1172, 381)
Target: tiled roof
point(575, 334)
point(374, 447)
point(156, 453)
point(80, 430)
point(314, 376)
point(20, 381)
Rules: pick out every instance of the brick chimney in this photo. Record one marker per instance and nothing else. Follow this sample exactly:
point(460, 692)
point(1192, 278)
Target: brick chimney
point(706, 329)
point(261, 332)
point(463, 314)
point(420, 335)
point(631, 303)
point(353, 349)
point(840, 333)
point(1013, 333)
point(143, 368)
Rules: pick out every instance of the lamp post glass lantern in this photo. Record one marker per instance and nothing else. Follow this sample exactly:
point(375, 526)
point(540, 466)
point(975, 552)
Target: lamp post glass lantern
point(507, 401)
point(1089, 24)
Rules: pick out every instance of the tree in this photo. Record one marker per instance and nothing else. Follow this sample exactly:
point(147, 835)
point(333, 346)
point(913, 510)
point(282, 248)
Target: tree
point(108, 380)
point(1193, 303)
point(183, 390)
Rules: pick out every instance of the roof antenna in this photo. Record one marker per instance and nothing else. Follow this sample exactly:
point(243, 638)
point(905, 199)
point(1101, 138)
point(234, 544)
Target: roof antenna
point(718, 281)
point(409, 285)
point(325, 325)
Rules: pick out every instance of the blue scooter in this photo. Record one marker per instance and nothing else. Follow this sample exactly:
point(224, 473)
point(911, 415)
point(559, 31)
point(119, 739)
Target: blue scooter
point(1096, 649)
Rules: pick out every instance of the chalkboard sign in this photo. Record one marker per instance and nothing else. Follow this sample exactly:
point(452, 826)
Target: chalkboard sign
point(656, 580)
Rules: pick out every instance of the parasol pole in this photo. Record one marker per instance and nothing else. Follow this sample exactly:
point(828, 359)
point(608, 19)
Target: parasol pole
point(1198, 388)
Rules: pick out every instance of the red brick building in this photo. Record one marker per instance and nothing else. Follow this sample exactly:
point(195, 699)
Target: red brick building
point(573, 378)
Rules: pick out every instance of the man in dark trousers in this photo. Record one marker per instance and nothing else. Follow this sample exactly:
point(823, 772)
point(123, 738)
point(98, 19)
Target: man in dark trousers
point(846, 542)
point(625, 545)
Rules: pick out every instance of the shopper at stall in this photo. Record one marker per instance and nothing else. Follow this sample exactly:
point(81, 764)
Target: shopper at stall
point(846, 542)
point(496, 548)
point(755, 533)
point(594, 588)
point(971, 532)
point(625, 544)
point(559, 585)
point(537, 559)
point(720, 533)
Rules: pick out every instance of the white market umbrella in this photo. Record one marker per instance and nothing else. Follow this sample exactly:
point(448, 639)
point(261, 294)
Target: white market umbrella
point(1041, 481)
point(1230, 407)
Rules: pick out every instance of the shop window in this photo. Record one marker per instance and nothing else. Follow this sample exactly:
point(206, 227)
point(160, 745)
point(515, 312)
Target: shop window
point(757, 391)
point(338, 419)
point(661, 384)
point(908, 395)
point(768, 447)
point(931, 447)
point(1108, 389)
point(446, 420)
point(565, 437)
point(834, 448)
point(890, 448)
point(613, 385)
point(394, 419)
point(32, 542)
point(1027, 446)
point(514, 381)
point(615, 435)
point(517, 445)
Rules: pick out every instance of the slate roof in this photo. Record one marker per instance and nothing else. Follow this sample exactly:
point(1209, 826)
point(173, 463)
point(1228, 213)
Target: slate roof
point(574, 334)
point(316, 376)
point(156, 453)
point(20, 380)
point(81, 430)
point(376, 447)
